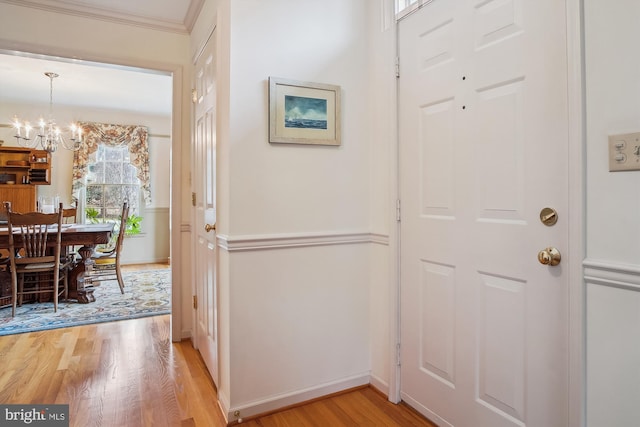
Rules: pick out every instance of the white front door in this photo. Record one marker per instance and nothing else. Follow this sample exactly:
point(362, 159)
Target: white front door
point(483, 149)
point(204, 185)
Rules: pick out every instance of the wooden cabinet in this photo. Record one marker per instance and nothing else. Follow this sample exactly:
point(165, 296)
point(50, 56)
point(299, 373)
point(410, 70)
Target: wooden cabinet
point(22, 197)
point(39, 168)
point(21, 171)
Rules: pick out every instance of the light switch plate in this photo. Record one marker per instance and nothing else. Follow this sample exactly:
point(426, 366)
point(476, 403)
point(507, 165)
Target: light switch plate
point(624, 152)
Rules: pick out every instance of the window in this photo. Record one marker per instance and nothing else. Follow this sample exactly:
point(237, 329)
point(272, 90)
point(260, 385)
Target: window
point(111, 180)
point(405, 7)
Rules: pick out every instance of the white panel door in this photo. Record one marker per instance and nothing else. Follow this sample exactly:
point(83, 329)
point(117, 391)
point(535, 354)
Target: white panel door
point(204, 184)
point(483, 149)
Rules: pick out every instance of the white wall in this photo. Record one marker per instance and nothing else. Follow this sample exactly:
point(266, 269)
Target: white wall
point(294, 188)
point(294, 221)
point(612, 268)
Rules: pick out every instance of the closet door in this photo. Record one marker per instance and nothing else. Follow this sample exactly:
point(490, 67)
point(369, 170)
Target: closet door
point(204, 188)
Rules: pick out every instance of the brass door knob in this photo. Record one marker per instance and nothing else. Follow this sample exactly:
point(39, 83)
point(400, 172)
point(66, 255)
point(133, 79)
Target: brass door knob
point(209, 227)
point(549, 256)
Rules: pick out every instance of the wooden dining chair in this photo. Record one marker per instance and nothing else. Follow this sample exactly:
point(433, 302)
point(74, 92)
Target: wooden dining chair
point(106, 264)
point(69, 215)
point(34, 256)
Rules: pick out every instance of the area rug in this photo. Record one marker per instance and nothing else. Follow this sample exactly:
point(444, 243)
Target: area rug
point(146, 293)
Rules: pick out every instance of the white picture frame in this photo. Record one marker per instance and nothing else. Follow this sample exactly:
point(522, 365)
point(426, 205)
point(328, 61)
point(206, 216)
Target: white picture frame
point(303, 112)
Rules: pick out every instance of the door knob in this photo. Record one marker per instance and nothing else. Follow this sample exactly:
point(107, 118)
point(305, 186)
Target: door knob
point(209, 227)
point(549, 256)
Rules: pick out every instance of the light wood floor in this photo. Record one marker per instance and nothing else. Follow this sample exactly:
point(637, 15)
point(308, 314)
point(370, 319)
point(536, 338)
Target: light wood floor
point(129, 374)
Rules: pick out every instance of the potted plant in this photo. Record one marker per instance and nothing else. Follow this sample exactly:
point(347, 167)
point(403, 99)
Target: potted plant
point(133, 225)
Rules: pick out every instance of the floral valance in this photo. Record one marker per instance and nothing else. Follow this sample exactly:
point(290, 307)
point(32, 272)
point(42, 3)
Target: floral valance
point(94, 134)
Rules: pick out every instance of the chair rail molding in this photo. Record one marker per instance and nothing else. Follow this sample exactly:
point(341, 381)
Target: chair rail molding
point(607, 273)
point(296, 240)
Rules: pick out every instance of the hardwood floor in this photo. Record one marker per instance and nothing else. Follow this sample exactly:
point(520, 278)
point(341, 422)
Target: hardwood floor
point(360, 407)
point(129, 374)
point(148, 266)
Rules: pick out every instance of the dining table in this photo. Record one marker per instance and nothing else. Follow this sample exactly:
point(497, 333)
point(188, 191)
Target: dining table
point(87, 237)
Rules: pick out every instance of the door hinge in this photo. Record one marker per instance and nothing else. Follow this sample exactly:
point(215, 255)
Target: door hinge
point(397, 67)
point(194, 95)
point(397, 354)
point(193, 198)
point(398, 210)
point(195, 302)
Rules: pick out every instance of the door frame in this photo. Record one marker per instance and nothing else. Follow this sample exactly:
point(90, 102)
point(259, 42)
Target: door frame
point(175, 213)
point(576, 217)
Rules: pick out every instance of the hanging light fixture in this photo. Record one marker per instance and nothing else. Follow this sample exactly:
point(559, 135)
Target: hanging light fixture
point(47, 134)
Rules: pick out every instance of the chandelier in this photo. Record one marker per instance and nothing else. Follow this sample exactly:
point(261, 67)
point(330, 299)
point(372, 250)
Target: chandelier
point(46, 134)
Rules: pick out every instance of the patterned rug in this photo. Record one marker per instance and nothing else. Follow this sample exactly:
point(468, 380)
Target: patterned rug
point(146, 293)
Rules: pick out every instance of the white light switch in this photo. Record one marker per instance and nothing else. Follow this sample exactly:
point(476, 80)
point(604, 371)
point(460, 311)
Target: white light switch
point(624, 152)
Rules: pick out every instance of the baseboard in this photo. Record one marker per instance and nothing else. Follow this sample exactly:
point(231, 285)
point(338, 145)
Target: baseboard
point(238, 414)
point(423, 410)
point(380, 385)
point(147, 261)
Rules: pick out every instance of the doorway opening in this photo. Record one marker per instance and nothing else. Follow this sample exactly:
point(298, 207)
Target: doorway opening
point(103, 93)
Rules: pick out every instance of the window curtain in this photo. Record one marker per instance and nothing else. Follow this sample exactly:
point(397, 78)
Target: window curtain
point(94, 134)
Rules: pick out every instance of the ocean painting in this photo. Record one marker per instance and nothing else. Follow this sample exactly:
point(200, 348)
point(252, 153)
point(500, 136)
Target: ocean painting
point(305, 113)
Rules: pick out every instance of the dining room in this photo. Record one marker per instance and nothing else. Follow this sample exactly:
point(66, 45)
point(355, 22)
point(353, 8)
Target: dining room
point(121, 153)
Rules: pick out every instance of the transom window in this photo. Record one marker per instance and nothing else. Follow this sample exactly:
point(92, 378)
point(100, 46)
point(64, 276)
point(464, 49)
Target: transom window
point(404, 7)
point(111, 180)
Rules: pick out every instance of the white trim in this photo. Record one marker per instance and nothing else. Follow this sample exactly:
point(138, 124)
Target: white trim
point(379, 384)
point(62, 54)
point(156, 210)
point(175, 215)
point(285, 241)
point(432, 416)
point(195, 7)
point(284, 400)
point(395, 310)
point(200, 49)
point(411, 8)
point(147, 260)
point(616, 275)
point(576, 203)
point(110, 15)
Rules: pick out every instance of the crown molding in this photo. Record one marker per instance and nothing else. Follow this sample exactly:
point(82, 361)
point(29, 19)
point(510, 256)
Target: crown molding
point(74, 8)
point(195, 6)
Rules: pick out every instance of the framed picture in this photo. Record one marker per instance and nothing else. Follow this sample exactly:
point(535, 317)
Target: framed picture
point(303, 112)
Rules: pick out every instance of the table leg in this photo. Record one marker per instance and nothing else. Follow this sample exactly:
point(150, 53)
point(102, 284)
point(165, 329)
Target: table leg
point(78, 288)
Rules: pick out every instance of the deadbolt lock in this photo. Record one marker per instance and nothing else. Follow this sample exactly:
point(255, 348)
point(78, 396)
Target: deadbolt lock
point(548, 216)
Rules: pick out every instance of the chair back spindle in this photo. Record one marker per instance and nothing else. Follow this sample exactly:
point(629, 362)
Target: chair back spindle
point(34, 248)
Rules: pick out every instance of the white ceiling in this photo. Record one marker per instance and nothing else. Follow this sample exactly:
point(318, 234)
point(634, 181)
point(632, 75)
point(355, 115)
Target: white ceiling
point(22, 78)
point(99, 86)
